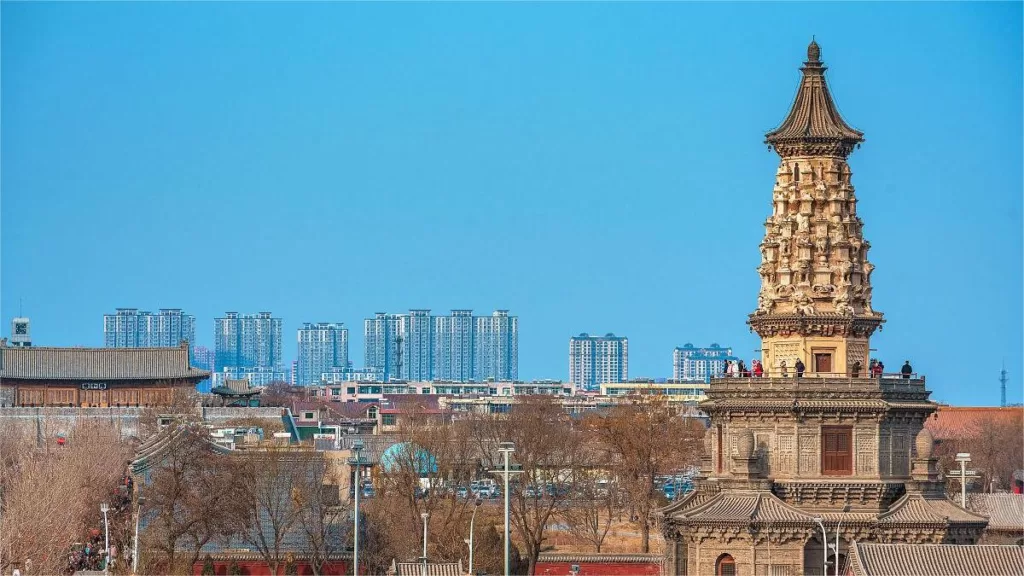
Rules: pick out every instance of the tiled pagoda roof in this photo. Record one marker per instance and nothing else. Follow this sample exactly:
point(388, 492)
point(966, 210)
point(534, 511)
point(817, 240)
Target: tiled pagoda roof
point(813, 125)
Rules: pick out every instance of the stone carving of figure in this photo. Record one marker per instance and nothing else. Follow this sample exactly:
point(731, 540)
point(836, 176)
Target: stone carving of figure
point(837, 235)
point(842, 304)
point(805, 195)
point(867, 299)
point(868, 269)
point(843, 270)
point(823, 289)
point(803, 223)
point(764, 302)
point(802, 276)
point(783, 290)
point(821, 247)
point(819, 191)
point(855, 245)
point(784, 248)
point(803, 303)
point(767, 271)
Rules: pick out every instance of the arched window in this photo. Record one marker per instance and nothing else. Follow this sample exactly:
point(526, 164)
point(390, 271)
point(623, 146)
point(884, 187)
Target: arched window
point(725, 566)
point(796, 172)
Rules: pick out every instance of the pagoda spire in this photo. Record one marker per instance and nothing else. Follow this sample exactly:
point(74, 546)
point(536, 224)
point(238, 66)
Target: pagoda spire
point(814, 126)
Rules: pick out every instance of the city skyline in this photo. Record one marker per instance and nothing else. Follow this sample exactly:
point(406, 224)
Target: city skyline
point(628, 129)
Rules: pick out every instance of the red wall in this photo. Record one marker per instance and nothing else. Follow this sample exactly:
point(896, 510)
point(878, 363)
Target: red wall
point(597, 569)
point(260, 568)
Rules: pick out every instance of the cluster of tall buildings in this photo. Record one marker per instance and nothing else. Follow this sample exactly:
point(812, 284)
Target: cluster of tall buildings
point(134, 328)
point(323, 348)
point(459, 347)
point(597, 360)
point(414, 346)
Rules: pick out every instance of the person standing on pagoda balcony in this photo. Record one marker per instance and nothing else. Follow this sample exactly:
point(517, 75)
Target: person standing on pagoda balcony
point(907, 370)
point(799, 368)
point(783, 369)
point(758, 368)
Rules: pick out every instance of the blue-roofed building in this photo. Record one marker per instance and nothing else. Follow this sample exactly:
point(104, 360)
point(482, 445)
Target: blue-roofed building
point(692, 364)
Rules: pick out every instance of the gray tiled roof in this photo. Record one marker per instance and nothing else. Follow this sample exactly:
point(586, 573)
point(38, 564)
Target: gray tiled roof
point(927, 509)
point(935, 560)
point(1004, 511)
point(731, 507)
point(38, 363)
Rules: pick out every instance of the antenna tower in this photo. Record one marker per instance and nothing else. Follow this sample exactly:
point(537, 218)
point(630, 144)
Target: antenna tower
point(398, 354)
point(1002, 385)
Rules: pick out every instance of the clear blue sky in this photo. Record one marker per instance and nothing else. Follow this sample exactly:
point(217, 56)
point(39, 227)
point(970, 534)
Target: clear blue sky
point(591, 167)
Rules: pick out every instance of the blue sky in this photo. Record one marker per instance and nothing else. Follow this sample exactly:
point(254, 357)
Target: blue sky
point(591, 167)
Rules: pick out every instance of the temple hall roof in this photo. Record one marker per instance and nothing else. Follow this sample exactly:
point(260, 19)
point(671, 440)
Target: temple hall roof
point(917, 508)
point(935, 559)
point(729, 507)
point(814, 125)
point(1004, 511)
point(42, 363)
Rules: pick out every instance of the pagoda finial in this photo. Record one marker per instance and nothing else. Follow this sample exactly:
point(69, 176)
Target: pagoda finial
point(813, 51)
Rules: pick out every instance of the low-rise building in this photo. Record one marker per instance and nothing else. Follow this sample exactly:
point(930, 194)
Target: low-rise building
point(94, 377)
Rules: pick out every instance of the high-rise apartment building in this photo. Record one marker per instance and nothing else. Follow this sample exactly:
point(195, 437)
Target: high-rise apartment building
point(595, 360)
point(460, 347)
point(203, 358)
point(134, 328)
point(496, 347)
point(454, 338)
point(417, 331)
point(380, 344)
point(698, 364)
point(322, 346)
point(247, 340)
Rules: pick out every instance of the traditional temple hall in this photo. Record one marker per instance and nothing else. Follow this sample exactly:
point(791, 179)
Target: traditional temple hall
point(836, 453)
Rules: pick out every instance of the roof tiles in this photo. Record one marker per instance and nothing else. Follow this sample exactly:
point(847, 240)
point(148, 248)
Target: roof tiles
point(39, 363)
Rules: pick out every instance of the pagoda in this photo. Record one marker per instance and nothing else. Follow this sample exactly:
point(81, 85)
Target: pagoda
point(791, 458)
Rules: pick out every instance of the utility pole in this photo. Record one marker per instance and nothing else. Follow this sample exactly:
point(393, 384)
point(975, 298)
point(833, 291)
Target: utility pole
point(1002, 387)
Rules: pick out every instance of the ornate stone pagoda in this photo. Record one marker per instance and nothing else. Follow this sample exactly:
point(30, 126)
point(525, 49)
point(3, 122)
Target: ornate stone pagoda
point(815, 298)
point(838, 450)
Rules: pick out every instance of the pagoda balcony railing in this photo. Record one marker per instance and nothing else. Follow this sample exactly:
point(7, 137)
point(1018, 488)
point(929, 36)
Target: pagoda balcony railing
point(819, 381)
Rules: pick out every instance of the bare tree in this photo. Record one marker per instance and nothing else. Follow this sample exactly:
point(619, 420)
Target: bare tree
point(431, 471)
point(647, 438)
point(993, 440)
point(590, 514)
point(271, 503)
point(190, 498)
point(548, 452)
point(51, 493)
point(321, 515)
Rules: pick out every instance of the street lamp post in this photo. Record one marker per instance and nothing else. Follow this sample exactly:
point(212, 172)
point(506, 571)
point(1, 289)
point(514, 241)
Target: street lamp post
point(963, 458)
point(135, 546)
point(824, 549)
point(425, 516)
point(472, 519)
point(506, 448)
point(357, 447)
point(106, 538)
